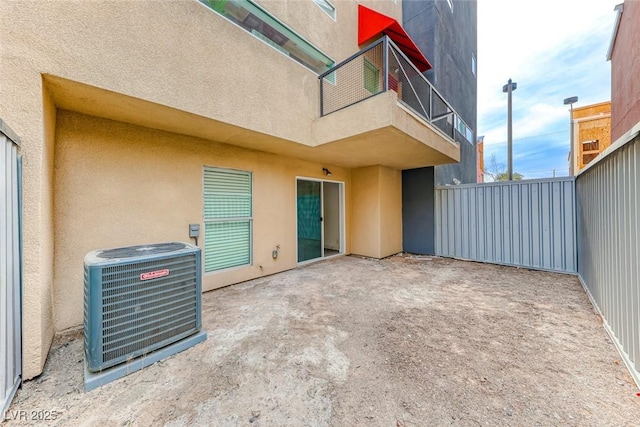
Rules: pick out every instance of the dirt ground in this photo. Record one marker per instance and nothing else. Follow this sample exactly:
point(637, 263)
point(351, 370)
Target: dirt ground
point(404, 341)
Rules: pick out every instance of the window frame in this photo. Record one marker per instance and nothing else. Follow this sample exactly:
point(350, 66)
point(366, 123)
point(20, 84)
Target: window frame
point(231, 219)
point(304, 47)
point(474, 65)
point(320, 4)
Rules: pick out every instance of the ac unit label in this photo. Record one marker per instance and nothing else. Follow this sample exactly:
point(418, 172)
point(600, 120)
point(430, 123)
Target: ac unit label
point(154, 274)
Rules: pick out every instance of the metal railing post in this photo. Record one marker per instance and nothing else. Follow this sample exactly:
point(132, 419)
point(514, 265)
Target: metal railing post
point(408, 80)
point(321, 96)
point(453, 126)
point(385, 64)
point(430, 103)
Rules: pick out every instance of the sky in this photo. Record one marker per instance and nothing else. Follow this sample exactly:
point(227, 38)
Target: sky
point(553, 50)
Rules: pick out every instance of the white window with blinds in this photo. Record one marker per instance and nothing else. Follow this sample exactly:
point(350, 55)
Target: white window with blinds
point(228, 218)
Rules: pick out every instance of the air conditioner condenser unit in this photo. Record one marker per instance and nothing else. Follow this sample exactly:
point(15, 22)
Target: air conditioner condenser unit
point(141, 304)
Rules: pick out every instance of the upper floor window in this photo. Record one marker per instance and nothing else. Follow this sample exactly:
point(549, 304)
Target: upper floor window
point(270, 30)
point(463, 129)
point(327, 7)
point(473, 64)
point(591, 145)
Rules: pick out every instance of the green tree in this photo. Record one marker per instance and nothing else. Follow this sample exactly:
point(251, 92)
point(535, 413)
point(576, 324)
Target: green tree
point(496, 171)
point(503, 176)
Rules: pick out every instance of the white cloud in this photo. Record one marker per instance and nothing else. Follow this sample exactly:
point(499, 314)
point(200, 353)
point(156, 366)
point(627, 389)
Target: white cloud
point(511, 33)
point(553, 49)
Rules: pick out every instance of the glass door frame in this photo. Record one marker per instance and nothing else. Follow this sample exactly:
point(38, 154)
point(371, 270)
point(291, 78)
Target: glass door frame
point(341, 199)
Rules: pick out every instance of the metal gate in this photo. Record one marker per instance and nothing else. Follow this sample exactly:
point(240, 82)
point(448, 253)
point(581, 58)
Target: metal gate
point(10, 267)
point(521, 223)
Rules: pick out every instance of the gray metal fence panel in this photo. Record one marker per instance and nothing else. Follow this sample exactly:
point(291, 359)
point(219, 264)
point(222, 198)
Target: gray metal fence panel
point(10, 269)
point(521, 223)
point(608, 198)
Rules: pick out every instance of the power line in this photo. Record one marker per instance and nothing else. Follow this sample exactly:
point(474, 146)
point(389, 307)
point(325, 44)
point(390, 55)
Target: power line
point(529, 137)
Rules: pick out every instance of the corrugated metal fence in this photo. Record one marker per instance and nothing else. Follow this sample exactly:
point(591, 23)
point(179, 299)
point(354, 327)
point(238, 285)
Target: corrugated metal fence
point(10, 268)
point(521, 223)
point(609, 241)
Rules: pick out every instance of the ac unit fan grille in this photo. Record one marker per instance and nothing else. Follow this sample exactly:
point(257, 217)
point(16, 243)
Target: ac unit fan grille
point(142, 315)
point(140, 250)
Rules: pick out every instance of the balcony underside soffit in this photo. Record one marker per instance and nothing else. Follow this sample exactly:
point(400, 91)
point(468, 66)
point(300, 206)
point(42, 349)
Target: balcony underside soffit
point(377, 131)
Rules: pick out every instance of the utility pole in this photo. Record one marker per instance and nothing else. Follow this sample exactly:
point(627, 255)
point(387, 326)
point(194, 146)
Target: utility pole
point(509, 88)
point(570, 102)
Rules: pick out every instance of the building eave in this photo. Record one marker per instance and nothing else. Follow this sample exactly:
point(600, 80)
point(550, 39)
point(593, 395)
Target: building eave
point(618, 9)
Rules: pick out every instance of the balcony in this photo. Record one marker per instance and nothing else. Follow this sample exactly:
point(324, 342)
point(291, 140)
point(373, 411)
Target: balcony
point(351, 92)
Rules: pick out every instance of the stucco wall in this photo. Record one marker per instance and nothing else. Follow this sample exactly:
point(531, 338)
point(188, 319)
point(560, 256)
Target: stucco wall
point(390, 211)
point(365, 230)
point(117, 184)
point(184, 55)
point(181, 55)
point(376, 206)
point(625, 68)
point(337, 38)
point(177, 54)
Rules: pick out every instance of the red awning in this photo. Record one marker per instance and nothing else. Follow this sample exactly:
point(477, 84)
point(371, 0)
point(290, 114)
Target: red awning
point(372, 24)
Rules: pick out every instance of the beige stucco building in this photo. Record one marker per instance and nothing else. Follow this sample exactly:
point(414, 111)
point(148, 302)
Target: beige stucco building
point(125, 109)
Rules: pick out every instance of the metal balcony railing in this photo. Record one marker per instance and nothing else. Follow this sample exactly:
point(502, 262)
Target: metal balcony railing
point(380, 67)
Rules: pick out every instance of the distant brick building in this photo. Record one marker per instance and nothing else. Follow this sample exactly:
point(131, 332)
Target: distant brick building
point(592, 132)
point(624, 54)
point(480, 157)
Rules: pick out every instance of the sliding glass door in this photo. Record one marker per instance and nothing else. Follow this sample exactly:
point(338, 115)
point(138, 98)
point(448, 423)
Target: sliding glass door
point(309, 203)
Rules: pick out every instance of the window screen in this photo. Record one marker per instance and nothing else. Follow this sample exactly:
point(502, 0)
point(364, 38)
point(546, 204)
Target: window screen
point(227, 218)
